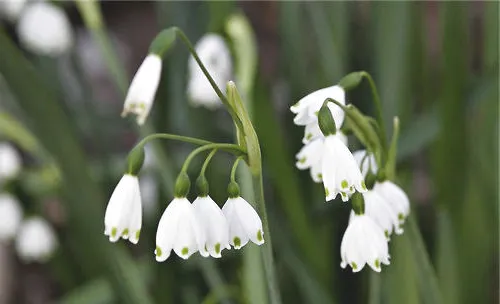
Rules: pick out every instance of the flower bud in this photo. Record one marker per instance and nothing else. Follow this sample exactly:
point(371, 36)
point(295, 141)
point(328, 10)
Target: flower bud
point(182, 185)
point(163, 41)
point(202, 186)
point(350, 81)
point(326, 121)
point(358, 203)
point(135, 159)
point(233, 190)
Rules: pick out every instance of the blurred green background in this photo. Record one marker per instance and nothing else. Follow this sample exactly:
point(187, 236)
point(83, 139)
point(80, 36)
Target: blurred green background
point(435, 65)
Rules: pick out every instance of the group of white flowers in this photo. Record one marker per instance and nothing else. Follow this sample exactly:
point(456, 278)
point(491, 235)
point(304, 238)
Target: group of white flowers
point(184, 227)
point(330, 162)
point(35, 239)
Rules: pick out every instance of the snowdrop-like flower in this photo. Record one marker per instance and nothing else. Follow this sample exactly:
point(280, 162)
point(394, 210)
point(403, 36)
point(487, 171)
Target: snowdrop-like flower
point(244, 222)
point(11, 215)
point(214, 224)
point(307, 108)
point(381, 213)
point(44, 28)
point(214, 54)
point(311, 155)
point(364, 243)
point(365, 162)
point(142, 90)
point(339, 170)
point(395, 197)
point(36, 240)
point(11, 9)
point(124, 212)
point(179, 229)
point(10, 161)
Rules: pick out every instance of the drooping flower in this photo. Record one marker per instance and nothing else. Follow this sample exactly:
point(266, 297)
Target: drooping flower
point(123, 217)
point(364, 243)
point(339, 170)
point(366, 162)
point(11, 9)
point(36, 240)
point(11, 215)
point(10, 161)
point(44, 28)
point(395, 196)
point(381, 213)
point(215, 55)
point(307, 108)
point(311, 156)
point(214, 224)
point(244, 222)
point(142, 90)
point(179, 229)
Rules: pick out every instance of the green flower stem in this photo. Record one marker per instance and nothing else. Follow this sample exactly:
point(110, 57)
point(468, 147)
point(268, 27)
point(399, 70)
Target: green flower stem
point(219, 93)
point(233, 169)
point(207, 161)
point(378, 106)
point(267, 250)
point(187, 139)
point(232, 148)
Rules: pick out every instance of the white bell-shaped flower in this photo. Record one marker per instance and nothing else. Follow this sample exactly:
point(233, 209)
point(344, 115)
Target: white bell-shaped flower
point(244, 222)
point(307, 108)
point(44, 29)
point(214, 53)
point(381, 213)
point(364, 243)
point(311, 155)
point(124, 212)
point(396, 197)
point(366, 162)
point(11, 9)
point(142, 90)
point(179, 229)
point(339, 170)
point(10, 161)
point(11, 215)
point(36, 240)
point(214, 224)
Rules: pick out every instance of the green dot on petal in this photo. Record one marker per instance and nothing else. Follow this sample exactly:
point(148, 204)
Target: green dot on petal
point(344, 184)
point(125, 232)
point(217, 248)
point(158, 251)
point(137, 234)
point(327, 192)
point(302, 160)
point(363, 186)
point(185, 251)
point(386, 233)
point(354, 266)
point(401, 216)
point(259, 236)
point(114, 231)
point(237, 241)
point(377, 263)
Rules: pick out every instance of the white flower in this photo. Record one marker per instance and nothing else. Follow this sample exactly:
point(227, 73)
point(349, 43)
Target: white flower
point(244, 223)
point(10, 161)
point(142, 90)
point(339, 170)
point(381, 213)
point(36, 240)
point(307, 108)
point(365, 162)
point(11, 215)
point(311, 155)
point(124, 212)
point(363, 242)
point(180, 230)
point(214, 53)
point(214, 223)
point(45, 29)
point(396, 197)
point(11, 9)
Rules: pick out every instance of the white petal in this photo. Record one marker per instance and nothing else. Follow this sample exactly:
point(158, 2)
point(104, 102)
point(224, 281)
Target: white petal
point(36, 240)
point(309, 154)
point(214, 53)
point(396, 197)
point(142, 90)
point(311, 132)
point(10, 161)
point(45, 29)
point(135, 218)
point(167, 229)
point(365, 162)
point(11, 9)
point(11, 215)
point(214, 223)
point(122, 206)
point(309, 105)
point(380, 211)
point(250, 221)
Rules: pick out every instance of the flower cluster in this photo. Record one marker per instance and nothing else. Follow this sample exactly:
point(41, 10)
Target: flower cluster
point(34, 238)
point(379, 206)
